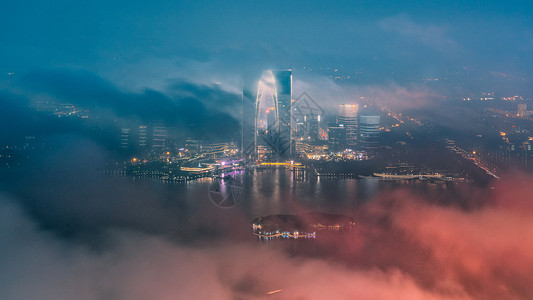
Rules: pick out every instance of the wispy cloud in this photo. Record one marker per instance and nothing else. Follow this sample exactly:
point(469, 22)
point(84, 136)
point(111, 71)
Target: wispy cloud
point(328, 94)
point(430, 35)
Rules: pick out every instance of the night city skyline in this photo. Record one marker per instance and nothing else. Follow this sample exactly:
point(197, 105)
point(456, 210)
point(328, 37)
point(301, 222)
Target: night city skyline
point(266, 150)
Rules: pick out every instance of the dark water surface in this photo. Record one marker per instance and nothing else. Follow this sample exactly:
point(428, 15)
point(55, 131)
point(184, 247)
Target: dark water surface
point(86, 203)
point(279, 191)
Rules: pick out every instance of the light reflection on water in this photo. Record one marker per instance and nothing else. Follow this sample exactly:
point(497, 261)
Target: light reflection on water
point(279, 191)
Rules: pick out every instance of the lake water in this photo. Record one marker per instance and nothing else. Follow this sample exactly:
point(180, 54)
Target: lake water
point(280, 191)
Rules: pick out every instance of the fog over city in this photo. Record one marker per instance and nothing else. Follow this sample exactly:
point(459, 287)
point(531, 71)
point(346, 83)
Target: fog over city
point(140, 141)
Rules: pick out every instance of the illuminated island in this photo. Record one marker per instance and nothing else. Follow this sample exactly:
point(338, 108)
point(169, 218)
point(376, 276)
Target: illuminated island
point(299, 226)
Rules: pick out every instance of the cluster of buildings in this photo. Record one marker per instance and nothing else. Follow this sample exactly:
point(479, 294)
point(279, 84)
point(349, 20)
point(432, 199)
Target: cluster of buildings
point(59, 109)
point(143, 138)
point(354, 130)
point(522, 111)
point(277, 126)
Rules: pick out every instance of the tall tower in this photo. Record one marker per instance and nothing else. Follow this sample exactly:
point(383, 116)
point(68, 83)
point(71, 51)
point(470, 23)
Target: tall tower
point(267, 114)
point(249, 94)
point(159, 137)
point(348, 119)
point(312, 122)
point(283, 83)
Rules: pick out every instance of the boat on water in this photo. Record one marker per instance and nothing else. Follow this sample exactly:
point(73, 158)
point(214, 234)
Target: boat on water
point(424, 177)
point(396, 176)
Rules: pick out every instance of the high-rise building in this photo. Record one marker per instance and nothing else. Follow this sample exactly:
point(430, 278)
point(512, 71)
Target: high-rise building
point(267, 114)
point(142, 136)
point(283, 91)
point(348, 118)
point(369, 131)
point(522, 110)
point(159, 137)
point(249, 95)
point(312, 122)
point(337, 138)
point(301, 129)
point(124, 138)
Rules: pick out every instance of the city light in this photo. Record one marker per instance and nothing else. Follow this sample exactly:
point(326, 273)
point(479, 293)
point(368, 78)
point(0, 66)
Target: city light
point(266, 149)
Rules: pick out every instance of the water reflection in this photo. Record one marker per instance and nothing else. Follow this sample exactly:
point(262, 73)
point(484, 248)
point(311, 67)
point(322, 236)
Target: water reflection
point(279, 191)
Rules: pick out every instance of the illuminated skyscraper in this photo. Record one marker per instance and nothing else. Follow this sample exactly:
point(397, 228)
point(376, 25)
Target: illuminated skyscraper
point(272, 92)
point(348, 118)
point(283, 85)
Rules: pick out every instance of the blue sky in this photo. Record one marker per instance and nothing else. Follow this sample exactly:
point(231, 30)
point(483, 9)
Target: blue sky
point(135, 42)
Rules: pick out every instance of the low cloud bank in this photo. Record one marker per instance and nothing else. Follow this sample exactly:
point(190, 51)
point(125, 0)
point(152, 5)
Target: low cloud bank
point(403, 248)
